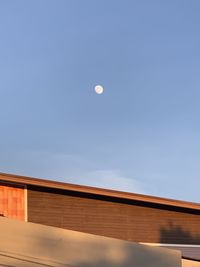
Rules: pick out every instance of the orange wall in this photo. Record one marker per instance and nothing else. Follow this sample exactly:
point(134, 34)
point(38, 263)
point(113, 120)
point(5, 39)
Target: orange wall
point(12, 202)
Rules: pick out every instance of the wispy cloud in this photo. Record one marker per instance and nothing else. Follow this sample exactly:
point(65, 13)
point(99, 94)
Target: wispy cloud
point(68, 168)
point(112, 179)
point(79, 169)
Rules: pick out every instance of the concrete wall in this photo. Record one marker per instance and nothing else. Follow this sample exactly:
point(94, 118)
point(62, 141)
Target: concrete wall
point(189, 263)
point(27, 244)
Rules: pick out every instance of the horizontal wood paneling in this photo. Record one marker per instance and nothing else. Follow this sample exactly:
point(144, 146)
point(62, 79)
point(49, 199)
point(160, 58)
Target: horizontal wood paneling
point(128, 220)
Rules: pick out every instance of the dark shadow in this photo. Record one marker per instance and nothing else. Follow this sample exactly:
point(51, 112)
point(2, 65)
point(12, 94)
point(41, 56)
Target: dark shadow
point(175, 234)
point(10, 184)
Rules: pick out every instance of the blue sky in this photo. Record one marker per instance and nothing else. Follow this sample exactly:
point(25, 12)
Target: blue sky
point(143, 134)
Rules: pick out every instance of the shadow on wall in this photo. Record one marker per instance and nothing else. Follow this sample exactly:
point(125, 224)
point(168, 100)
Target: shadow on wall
point(175, 234)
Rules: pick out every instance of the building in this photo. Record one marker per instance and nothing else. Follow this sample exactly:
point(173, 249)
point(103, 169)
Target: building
point(125, 216)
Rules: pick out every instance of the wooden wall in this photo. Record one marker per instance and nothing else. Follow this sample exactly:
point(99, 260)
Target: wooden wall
point(12, 201)
point(128, 220)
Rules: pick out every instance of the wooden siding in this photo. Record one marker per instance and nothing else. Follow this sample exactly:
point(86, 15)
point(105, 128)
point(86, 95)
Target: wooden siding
point(12, 201)
point(107, 216)
point(97, 191)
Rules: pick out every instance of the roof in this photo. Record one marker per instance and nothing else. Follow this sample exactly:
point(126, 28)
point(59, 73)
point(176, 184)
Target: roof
point(98, 191)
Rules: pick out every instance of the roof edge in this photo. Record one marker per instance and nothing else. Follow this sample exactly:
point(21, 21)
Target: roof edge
point(98, 191)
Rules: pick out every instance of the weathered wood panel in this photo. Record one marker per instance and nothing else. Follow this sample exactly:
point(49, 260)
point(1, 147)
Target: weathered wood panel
point(123, 219)
point(12, 201)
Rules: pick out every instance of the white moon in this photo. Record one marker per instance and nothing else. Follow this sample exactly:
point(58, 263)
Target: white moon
point(99, 89)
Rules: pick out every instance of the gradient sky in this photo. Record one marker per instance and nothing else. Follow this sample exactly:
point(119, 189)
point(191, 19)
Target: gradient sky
point(143, 134)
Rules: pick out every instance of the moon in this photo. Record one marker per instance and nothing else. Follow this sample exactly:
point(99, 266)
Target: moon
point(99, 89)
